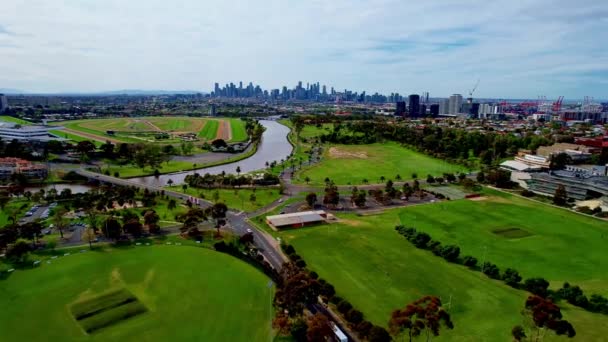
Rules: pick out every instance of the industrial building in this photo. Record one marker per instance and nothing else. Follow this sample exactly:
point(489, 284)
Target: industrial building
point(580, 185)
point(296, 220)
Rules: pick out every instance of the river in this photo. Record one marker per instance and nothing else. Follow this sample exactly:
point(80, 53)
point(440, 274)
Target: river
point(274, 147)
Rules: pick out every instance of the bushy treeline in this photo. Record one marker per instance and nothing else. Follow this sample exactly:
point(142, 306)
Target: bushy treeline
point(229, 180)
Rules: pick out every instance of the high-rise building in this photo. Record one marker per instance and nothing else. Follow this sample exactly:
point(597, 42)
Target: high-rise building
point(455, 104)
point(414, 105)
point(213, 110)
point(400, 108)
point(422, 110)
point(3, 103)
point(444, 106)
point(434, 110)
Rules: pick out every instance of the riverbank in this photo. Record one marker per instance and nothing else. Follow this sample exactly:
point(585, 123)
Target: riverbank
point(132, 171)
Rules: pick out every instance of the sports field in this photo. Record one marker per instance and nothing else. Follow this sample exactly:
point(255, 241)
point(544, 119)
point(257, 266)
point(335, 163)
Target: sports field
point(146, 129)
point(378, 270)
point(236, 199)
point(351, 164)
point(176, 293)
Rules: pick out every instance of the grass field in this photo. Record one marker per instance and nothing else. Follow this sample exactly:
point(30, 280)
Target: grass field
point(74, 137)
point(351, 164)
point(21, 205)
point(237, 127)
point(378, 271)
point(7, 118)
point(189, 293)
point(237, 199)
point(143, 129)
point(535, 239)
point(209, 131)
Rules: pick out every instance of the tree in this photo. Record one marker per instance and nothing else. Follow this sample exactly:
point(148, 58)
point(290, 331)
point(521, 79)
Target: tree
point(561, 196)
point(191, 219)
point(423, 315)
point(85, 147)
point(151, 219)
point(481, 177)
point(59, 221)
point(238, 170)
point(92, 219)
point(491, 270)
point(172, 204)
point(133, 227)
point(307, 179)
point(545, 314)
point(252, 198)
point(90, 236)
point(111, 228)
point(218, 213)
point(378, 334)
point(332, 197)
point(17, 252)
point(518, 333)
point(169, 182)
point(4, 199)
point(319, 328)
point(559, 161)
point(430, 179)
point(511, 277)
point(358, 197)
point(537, 286)
point(311, 199)
point(31, 231)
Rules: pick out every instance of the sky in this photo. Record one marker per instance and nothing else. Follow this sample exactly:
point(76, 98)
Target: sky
point(516, 49)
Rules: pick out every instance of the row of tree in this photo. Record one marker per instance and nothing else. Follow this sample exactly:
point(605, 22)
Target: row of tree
point(538, 286)
point(298, 289)
point(210, 181)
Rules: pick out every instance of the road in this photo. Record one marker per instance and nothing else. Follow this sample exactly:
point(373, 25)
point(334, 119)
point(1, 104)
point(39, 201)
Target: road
point(236, 221)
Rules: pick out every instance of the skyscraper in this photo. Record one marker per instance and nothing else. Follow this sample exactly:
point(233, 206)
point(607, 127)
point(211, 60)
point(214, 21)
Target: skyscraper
point(444, 106)
point(455, 104)
point(400, 108)
point(434, 110)
point(3, 103)
point(414, 105)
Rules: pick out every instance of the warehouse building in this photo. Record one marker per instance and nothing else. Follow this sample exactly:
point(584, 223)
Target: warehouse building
point(297, 220)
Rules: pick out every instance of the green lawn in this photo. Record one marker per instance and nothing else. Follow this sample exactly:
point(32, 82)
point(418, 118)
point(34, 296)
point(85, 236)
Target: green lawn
point(378, 270)
point(237, 127)
point(74, 137)
point(7, 118)
point(191, 294)
point(238, 199)
point(209, 131)
point(351, 164)
point(553, 243)
point(21, 205)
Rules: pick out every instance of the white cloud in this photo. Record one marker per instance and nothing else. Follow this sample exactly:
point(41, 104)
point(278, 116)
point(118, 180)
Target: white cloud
point(518, 49)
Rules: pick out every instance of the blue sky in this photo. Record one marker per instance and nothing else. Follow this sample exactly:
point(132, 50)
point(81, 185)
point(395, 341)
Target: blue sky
point(518, 49)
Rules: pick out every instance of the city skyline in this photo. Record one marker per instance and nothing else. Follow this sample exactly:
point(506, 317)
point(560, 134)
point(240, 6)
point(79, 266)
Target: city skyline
point(531, 48)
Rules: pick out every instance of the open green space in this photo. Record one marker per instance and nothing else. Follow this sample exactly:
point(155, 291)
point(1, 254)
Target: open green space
point(74, 137)
point(352, 164)
point(237, 199)
point(238, 132)
point(145, 129)
point(209, 131)
point(16, 206)
point(190, 294)
point(536, 239)
point(7, 118)
point(378, 270)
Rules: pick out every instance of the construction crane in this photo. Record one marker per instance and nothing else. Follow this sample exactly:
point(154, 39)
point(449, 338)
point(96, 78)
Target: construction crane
point(473, 90)
point(557, 105)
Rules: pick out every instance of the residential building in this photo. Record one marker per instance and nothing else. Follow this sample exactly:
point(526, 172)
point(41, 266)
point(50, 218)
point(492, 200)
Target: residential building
point(3, 103)
point(9, 166)
point(414, 105)
point(213, 110)
point(444, 106)
point(400, 108)
point(578, 153)
point(455, 104)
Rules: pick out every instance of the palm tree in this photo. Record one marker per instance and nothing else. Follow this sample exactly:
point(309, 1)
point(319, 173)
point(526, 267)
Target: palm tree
point(238, 170)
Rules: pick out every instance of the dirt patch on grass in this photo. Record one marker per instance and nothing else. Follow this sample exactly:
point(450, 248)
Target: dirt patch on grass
point(477, 199)
point(335, 152)
point(224, 131)
point(352, 223)
point(90, 136)
point(511, 233)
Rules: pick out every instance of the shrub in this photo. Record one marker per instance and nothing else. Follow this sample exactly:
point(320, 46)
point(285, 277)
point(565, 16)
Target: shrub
point(527, 193)
point(490, 270)
point(313, 275)
point(294, 257)
point(335, 300)
point(328, 290)
point(450, 252)
point(378, 334)
point(420, 239)
point(537, 286)
point(301, 263)
point(288, 249)
point(469, 261)
point(344, 306)
point(354, 316)
point(511, 277)
point(363, 328)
